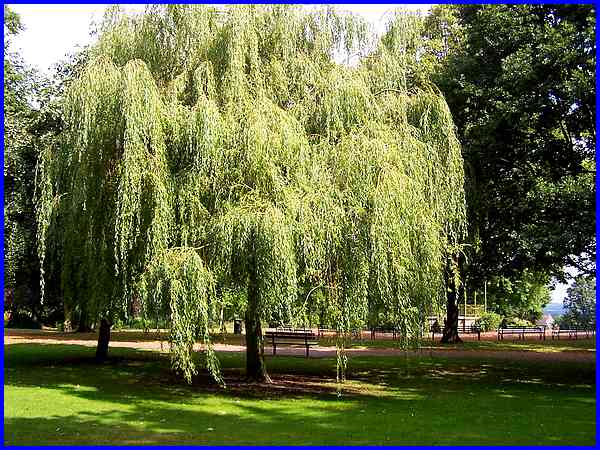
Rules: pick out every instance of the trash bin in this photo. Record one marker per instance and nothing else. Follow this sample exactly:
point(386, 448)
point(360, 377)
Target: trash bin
point(237, 326)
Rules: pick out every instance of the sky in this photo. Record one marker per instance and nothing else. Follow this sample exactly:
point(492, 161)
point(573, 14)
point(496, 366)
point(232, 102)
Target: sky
point(51, 31)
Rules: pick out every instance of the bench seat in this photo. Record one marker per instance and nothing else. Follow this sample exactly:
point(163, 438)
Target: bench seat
point(522, 331)
point(473, 329)
point(572, 333)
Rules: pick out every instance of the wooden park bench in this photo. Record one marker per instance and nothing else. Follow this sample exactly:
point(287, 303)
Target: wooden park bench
point(556, 333)
point(384, 329)
point(322, 329)
point(522, 331)
point(291, 336)
point(473, 329)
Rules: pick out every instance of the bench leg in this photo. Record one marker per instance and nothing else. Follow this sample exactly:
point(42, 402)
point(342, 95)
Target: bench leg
point(307, 347)
point(479, 335)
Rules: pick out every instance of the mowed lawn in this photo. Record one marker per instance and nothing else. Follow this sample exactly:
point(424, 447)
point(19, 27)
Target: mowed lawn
point(56, 394)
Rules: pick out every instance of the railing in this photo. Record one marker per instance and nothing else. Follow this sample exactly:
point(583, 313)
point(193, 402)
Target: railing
point(470, 310)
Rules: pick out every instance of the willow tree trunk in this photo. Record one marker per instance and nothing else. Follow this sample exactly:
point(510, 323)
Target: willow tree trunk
point(450, 334)
point(256, 369)
point(84, 325)
point(103, 340)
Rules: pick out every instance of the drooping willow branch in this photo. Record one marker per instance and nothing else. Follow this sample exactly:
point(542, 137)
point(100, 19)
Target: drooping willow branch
point(182, 106)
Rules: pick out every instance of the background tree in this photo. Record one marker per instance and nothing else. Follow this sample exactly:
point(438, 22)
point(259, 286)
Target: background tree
point(523, 298)
point(417, 59)
point(52, 126)
point(208, 147)
point(520, 82)
point(32, 117)
point(580, 304)
point(22, 90)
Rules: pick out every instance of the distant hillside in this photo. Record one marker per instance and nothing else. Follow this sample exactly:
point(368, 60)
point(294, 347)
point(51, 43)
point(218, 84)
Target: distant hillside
point(554, 309)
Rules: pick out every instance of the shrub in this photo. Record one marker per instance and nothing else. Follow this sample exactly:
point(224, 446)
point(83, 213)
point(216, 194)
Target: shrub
point(518, 322)
point(23, 319)
point(489, 321)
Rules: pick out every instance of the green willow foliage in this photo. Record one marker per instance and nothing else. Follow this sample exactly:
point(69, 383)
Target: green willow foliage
point(211, 146)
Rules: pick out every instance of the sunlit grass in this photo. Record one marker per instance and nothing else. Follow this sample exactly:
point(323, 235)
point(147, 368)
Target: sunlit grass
point(527, 345)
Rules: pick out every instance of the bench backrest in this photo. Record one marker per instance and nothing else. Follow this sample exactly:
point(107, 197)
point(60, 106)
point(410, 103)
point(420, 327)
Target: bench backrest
point(571, 330)
point(290, 334)
point(522, 329)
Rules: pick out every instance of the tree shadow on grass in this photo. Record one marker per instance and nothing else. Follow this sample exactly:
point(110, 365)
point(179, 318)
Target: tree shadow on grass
point(300, 376)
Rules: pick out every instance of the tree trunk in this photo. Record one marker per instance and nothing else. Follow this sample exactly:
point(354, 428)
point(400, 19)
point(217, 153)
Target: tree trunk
point(256, 369)
point(67, 325)
point(103, 340)
point(84, 322)
point(222, 321)
point(84, 327)
point(450, 334)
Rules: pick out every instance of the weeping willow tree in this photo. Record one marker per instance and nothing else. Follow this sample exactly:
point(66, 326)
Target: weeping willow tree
point(207, 147)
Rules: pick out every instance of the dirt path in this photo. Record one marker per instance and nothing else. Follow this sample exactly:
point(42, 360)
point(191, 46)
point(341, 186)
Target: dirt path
point(120, 339)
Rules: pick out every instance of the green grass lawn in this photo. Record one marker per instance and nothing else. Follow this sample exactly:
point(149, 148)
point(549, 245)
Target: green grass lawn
point(56, 394)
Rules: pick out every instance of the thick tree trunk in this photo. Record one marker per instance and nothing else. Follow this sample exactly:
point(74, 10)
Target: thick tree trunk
point(84, 322)
point(84, 327)
point(450, 334)
point(103, 340)
point(256, 369)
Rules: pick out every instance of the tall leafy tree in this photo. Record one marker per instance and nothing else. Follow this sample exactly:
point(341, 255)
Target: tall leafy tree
point(520, 82)
point(21, 264)
point(208, 147)
point(32, 118)
point(580, 304)
point(524, 297)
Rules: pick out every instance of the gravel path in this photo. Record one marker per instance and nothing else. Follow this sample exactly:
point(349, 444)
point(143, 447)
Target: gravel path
point(120, 340)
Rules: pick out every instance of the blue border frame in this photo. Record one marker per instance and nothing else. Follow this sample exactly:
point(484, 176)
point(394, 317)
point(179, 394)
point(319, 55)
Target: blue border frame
point(334, 2)
point(597, 210)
